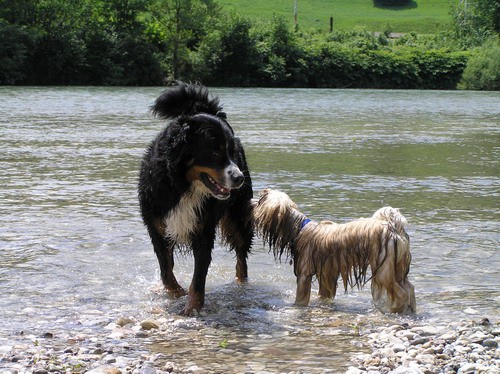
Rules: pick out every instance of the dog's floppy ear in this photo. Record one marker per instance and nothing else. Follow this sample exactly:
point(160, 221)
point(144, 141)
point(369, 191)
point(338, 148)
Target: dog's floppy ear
point(178, 145)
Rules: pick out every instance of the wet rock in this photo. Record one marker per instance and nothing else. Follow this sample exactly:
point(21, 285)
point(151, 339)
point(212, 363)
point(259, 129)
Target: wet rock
point(104, 369)
point(147, 370)
point(485, 322)
point(419, 341)
point(149, 325)
point(448, 337)
point(123, 321)
point(354, 370)
point(490, 343)
point(425, 330)
point(478, 337)
point(170, 367)
point(141, 334)
point(195, 369)
point(468, 368)
point(463, 348)
point(40, 371)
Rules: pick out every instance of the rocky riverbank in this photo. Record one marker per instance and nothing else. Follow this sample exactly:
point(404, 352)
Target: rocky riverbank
point(465, 348)
point(461, 347)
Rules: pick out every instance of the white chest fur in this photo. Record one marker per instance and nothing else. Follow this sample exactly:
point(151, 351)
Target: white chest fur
point(182, 221)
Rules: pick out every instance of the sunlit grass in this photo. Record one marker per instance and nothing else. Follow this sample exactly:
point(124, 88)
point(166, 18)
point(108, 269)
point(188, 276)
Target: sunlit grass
point(421, 16)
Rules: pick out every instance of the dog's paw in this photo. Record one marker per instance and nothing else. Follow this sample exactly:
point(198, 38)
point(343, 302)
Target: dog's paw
point(176, 293)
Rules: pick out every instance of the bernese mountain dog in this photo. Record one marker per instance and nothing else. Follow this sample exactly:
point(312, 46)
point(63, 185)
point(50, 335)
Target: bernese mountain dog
point(194, 177)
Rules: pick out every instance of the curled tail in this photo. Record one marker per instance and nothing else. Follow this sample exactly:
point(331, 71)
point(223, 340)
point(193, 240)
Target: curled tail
point(392, 216)
point(391, 289)
point(186, 99)
point(396, 223)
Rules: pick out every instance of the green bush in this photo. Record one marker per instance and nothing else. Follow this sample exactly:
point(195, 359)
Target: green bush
point(139, 42)
point(441, 69)
point(333, 65)
point(483, 68)
point(16, 42)
point(227, 55)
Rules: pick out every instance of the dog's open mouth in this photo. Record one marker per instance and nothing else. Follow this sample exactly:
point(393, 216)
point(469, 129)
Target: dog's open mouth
point(215, 188)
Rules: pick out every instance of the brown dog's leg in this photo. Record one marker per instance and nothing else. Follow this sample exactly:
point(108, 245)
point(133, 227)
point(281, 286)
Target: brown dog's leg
point(411, 292)
point(303, 294)
point(327, 278)
point(393, 297)
point(327, 288)
point(411, 304)
point(241, 270)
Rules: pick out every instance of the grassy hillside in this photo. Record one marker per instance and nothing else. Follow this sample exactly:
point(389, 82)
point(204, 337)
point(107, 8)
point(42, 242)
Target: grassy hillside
point(421, 16)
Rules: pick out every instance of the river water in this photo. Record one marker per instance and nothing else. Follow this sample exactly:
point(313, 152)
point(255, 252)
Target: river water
point(74, 255)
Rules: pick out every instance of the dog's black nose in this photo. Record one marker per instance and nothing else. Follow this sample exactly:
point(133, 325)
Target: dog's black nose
point(237, 177)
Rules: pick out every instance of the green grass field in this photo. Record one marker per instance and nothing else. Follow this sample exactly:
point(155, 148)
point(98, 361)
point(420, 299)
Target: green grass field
point(421, 16)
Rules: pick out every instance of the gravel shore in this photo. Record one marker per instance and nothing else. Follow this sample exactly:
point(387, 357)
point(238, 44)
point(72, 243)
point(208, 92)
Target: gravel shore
point(460, 347)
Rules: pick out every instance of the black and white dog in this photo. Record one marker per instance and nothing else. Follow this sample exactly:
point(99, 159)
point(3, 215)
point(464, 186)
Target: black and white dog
point(193, 177)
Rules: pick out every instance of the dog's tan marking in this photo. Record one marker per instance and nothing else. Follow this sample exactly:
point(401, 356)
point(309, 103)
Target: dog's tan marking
point(194, 172)
point(160, 226)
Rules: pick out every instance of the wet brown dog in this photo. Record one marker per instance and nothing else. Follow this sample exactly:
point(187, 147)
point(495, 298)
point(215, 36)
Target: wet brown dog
point(328, 251)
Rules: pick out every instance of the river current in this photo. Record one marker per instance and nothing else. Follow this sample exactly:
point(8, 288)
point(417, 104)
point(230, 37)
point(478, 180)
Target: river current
point(74, 255)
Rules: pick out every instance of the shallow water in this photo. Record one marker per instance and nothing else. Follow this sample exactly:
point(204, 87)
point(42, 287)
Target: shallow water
point(75, 256)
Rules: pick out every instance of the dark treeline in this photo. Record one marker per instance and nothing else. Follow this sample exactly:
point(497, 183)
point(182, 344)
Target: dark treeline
point(152, 42)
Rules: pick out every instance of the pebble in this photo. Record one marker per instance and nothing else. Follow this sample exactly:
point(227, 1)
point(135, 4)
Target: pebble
point(149, 325)
point(463, 347)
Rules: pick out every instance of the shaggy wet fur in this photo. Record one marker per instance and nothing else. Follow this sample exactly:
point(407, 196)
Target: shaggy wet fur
point(328, 251)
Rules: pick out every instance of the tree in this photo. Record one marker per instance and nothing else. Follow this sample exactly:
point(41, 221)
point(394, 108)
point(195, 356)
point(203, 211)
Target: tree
point(281, 59)
point(178, 26)
point(58, 55)
point(227, 54)
point(15, 43)
point(118, 46)
point(483, 68)
point(476, 20)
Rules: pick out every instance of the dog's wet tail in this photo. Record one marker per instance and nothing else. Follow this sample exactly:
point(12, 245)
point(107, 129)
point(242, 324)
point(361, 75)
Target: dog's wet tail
point(186, 99)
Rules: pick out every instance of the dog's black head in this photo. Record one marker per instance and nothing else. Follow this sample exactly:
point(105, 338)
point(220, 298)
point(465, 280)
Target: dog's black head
point(205, 150)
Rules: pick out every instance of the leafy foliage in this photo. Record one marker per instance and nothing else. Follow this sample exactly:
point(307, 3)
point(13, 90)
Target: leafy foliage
point(483, 69)
point(475, 21)
point(151, 42)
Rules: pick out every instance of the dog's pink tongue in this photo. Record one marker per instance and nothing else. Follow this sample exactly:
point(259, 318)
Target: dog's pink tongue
point(223, 190)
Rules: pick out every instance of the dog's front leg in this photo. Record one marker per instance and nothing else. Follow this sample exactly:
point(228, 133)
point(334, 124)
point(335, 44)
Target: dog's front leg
point(407, 297)
point(164, 249)
point(303, 290)
point(202, 251)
